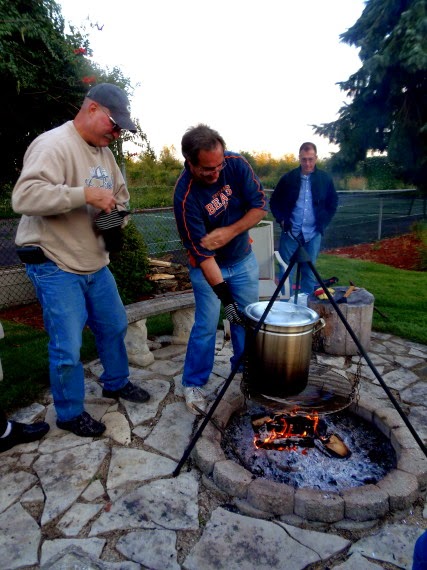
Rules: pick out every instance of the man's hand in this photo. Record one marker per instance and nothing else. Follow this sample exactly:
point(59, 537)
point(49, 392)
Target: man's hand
point(221, 236)
point(100, 198)
point(231, 309)
point(217, 238)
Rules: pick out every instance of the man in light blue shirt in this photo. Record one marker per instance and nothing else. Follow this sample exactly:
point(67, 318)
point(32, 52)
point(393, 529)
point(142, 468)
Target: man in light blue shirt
point(303, 203)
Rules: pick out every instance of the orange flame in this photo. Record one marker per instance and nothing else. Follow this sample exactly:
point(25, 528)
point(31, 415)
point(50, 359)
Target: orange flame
point(286, 430)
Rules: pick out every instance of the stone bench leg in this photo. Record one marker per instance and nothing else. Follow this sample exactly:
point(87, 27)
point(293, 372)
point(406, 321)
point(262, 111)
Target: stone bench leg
point(182, 320)
point(136, 344)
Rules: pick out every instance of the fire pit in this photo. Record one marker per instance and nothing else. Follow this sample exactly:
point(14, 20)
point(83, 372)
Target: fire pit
point(293, 440)
point(331, 453)
point(291, 483)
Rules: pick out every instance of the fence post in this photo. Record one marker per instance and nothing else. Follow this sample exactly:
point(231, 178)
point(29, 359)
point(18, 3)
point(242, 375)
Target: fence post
point(380, 218)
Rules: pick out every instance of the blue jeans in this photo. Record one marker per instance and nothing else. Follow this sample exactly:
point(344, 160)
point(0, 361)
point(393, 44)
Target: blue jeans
point(69, 302)
point(288, 246)
point(420, 553)
point(242, 279)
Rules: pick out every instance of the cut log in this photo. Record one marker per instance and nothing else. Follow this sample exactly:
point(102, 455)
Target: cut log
point(159, 262)
point(334, 337)
point(160, 276)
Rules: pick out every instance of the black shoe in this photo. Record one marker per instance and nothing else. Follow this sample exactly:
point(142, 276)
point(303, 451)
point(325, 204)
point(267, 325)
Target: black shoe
point(83, 425)
point(129, 392)
point(23, 433)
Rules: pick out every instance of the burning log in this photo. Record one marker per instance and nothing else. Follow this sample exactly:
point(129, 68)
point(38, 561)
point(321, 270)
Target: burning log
point(285, 432)
point(285, 443)
point(259, 421)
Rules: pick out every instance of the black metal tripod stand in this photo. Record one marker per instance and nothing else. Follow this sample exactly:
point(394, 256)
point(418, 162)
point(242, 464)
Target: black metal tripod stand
point(300, 256)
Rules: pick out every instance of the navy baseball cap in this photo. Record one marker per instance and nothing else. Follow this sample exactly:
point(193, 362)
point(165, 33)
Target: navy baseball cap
point(115, 99)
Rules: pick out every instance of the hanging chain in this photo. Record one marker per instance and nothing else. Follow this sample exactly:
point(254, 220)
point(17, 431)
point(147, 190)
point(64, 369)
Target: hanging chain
point(355, 390)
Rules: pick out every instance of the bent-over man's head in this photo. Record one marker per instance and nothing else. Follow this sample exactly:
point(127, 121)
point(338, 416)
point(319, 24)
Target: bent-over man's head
point(105, 112)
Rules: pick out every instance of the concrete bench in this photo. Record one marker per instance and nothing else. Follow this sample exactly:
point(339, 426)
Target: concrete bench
point(180, 306)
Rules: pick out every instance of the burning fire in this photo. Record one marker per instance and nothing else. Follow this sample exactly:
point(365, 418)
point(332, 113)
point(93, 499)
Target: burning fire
point(284, 430)
point(290, 431)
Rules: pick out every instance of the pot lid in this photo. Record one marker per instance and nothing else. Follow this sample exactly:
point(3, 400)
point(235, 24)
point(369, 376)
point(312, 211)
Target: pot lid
point(282, 313)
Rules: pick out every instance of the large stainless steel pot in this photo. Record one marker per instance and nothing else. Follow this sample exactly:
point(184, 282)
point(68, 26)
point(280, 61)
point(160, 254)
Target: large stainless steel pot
point(278, 357)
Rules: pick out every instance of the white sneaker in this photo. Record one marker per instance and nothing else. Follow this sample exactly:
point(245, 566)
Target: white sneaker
point(195, 397)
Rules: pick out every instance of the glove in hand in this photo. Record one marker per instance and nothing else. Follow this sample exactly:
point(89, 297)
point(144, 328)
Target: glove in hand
point(234, 315)
point(231, 310)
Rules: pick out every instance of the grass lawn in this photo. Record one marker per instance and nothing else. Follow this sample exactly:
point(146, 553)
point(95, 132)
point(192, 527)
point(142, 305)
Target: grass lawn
point(401, 295)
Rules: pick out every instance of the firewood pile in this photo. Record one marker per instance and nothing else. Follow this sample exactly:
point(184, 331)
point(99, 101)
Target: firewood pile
point(167, 276)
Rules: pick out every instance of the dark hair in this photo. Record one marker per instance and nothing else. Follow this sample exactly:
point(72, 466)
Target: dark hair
point(199, 138)
point(307, 146)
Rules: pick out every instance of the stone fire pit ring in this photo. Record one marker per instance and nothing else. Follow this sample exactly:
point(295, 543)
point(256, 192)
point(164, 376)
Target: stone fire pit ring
point(397, 491)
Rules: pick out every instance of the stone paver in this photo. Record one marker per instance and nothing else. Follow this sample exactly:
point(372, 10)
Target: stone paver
point(393, 543)
point(232, 542)
point(20, 537)
point(136, 465)
point(90, 545)
point(114, 503)
point(64, 475)
point(159, 550)
point(166, 503)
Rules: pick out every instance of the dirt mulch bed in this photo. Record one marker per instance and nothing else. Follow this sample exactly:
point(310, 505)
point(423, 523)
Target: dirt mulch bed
point(402, 252)
point(30, 315)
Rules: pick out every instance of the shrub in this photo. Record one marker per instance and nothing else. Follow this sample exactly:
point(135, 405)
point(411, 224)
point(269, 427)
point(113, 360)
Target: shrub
point(130, 266)
point(151, 196)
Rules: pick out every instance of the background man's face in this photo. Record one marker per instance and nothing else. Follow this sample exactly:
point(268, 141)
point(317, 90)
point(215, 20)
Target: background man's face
point(307, 160)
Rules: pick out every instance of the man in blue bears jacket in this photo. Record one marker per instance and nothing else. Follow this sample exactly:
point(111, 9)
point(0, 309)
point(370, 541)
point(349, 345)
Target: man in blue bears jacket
point(218, 198)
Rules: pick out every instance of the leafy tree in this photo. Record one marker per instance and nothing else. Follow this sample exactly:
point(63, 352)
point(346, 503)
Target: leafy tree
point(270, 169)
point(40, 73)
point(388, 111)
point(147, 170)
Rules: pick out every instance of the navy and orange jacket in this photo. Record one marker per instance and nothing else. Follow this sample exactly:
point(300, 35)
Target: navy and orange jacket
point(200, 208)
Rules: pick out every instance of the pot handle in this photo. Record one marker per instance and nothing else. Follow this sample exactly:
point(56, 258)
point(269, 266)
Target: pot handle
point(319, 325)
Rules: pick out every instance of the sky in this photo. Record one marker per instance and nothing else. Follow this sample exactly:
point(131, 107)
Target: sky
point(260, 73)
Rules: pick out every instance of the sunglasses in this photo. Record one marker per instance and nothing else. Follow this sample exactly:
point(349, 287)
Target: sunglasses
point(114, 125)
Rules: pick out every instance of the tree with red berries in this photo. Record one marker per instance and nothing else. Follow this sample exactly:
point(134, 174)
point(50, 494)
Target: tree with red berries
point(44, 75)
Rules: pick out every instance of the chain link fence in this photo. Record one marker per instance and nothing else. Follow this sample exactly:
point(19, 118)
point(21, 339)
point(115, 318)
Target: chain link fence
point(362, 217)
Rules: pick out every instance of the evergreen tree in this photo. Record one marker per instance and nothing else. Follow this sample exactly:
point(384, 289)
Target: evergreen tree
point(388, 111)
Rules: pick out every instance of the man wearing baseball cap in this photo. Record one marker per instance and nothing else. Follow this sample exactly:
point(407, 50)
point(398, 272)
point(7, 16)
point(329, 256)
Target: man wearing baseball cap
point(114, 99)
point(70, 177)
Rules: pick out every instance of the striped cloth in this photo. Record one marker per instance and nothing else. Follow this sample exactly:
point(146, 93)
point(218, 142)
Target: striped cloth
point(114, 219)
